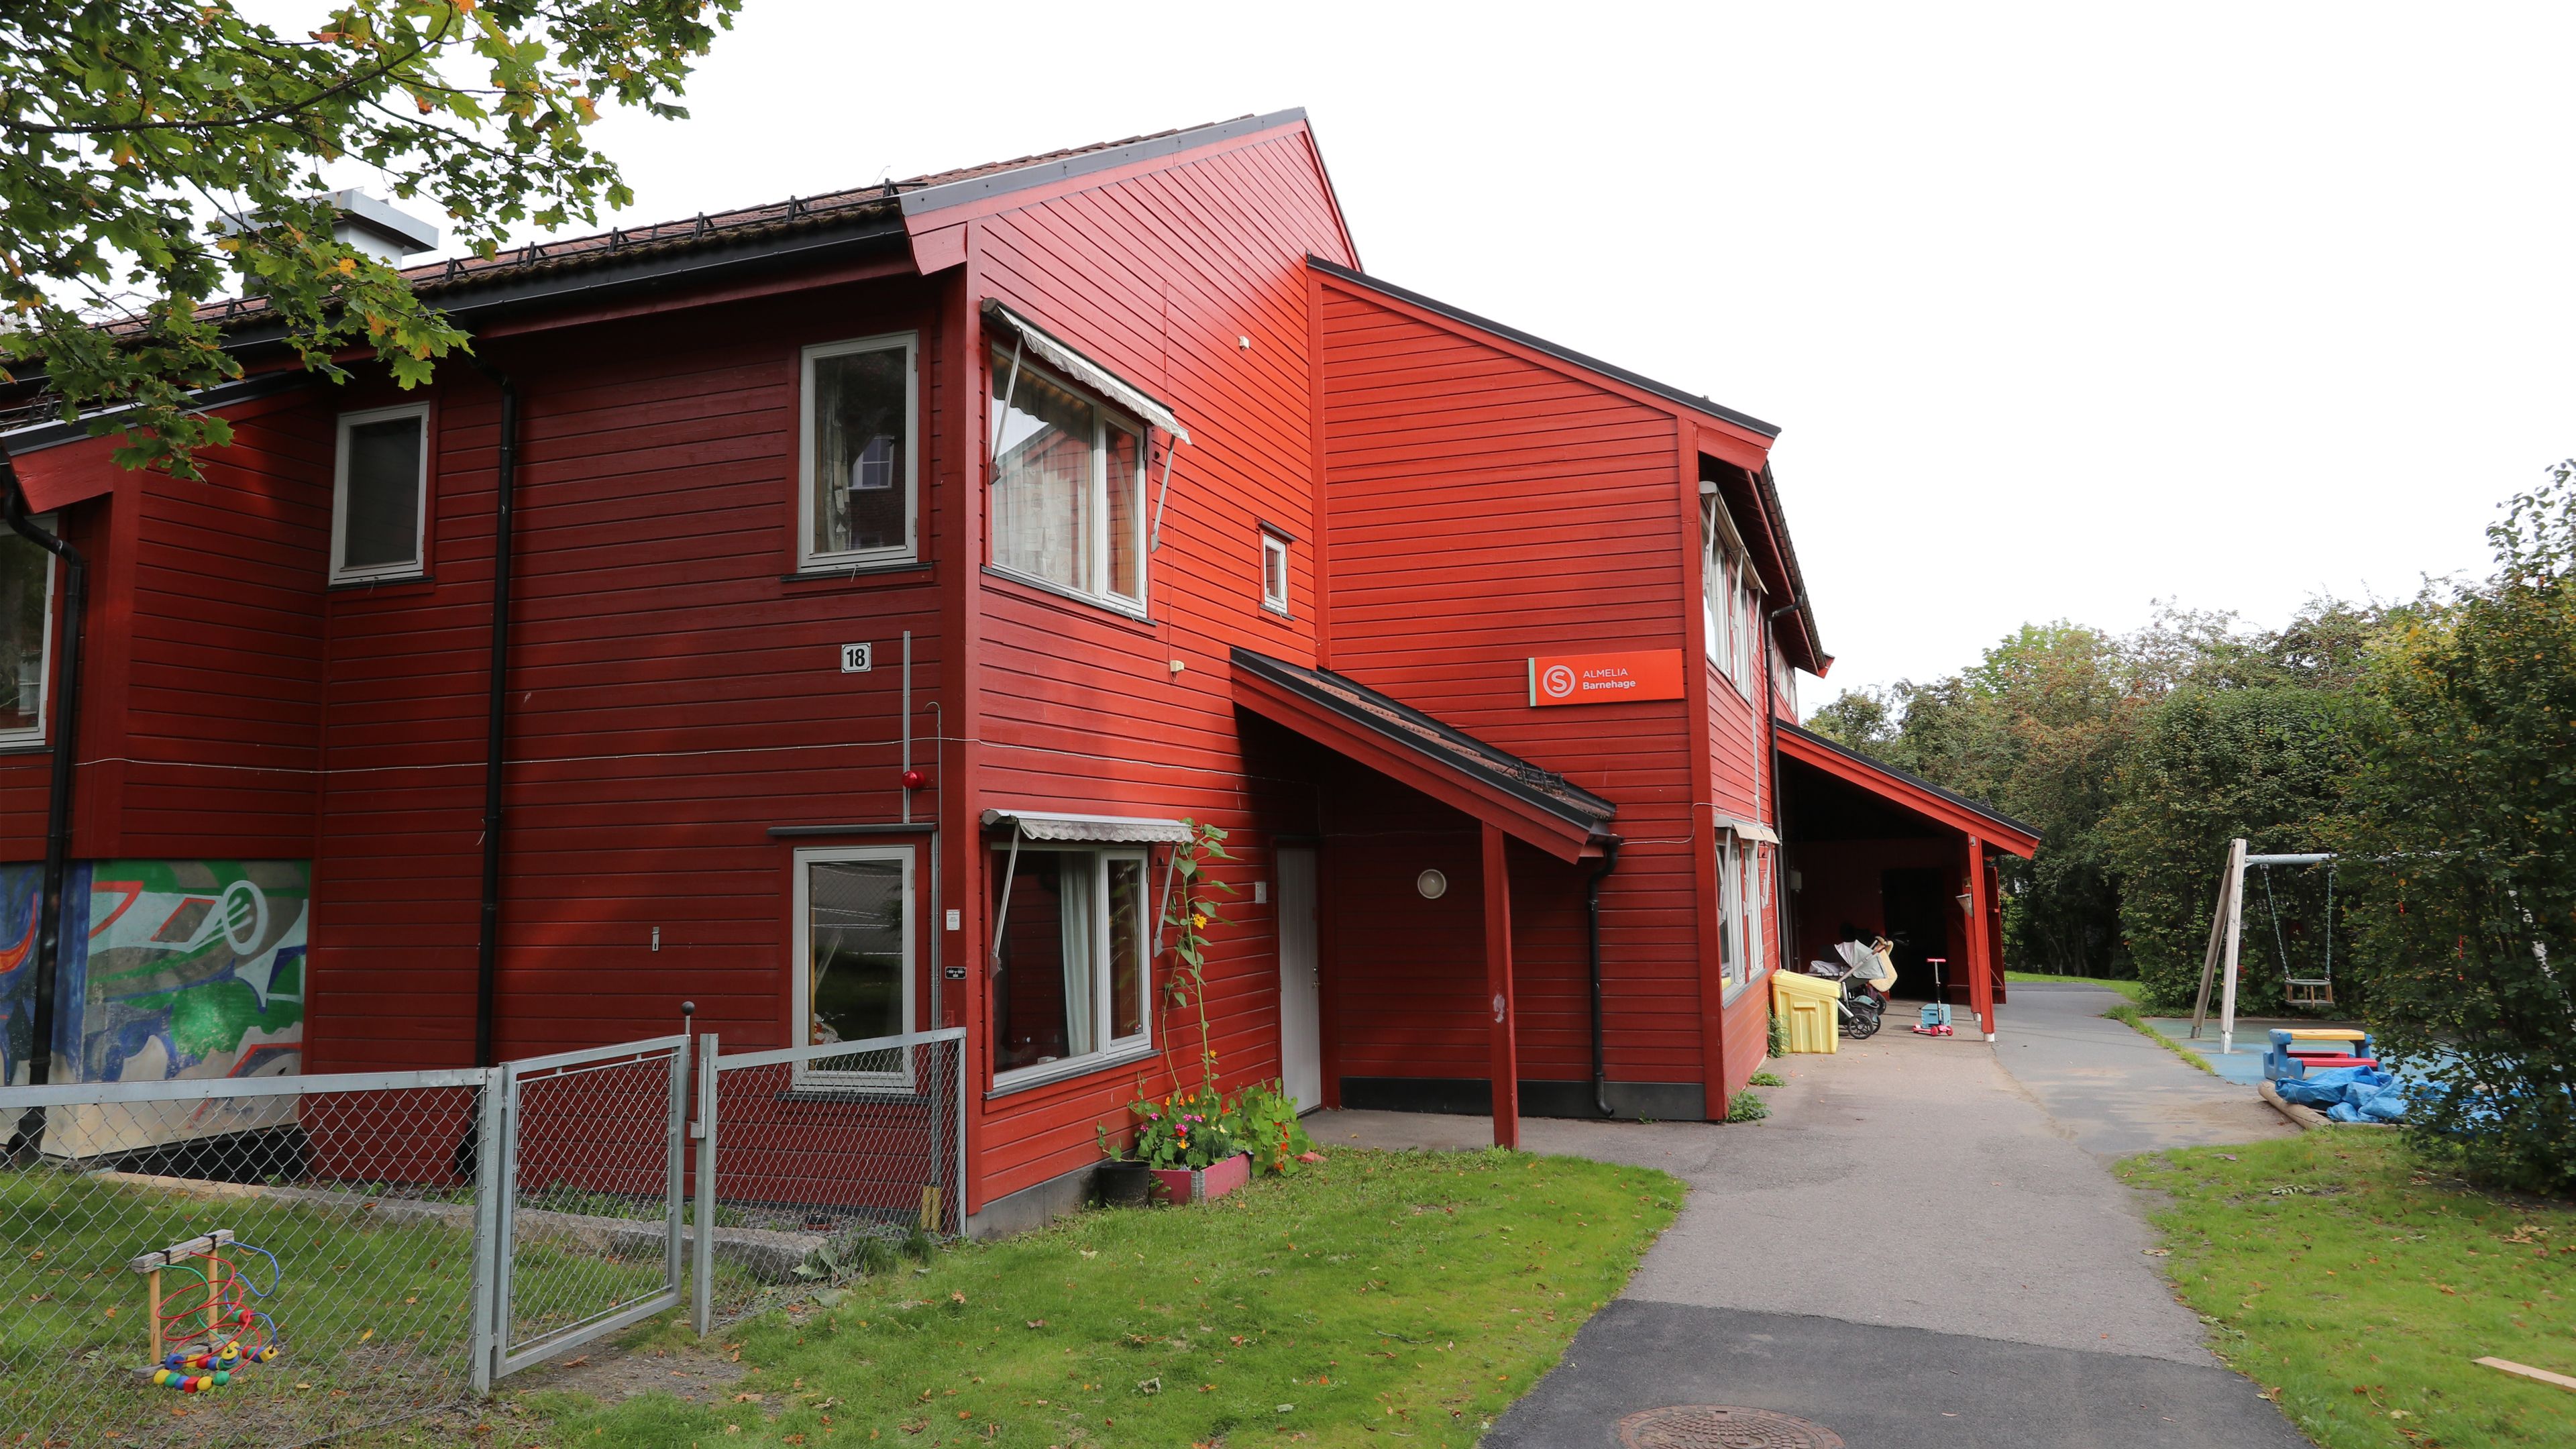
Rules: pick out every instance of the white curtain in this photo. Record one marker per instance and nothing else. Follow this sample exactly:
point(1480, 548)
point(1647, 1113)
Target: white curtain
point(1080, 889)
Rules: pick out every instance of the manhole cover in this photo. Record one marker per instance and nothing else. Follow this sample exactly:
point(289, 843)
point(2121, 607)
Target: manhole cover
point(1716, 1426)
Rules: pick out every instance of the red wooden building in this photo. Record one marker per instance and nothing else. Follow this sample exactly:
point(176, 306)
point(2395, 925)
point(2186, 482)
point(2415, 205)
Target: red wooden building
point(844, 583)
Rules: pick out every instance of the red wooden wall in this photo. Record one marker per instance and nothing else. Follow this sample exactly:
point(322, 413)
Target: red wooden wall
point(1484, 506)
point(1162, 276)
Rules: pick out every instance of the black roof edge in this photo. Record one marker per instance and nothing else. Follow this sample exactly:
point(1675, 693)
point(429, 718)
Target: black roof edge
point(1909, 777)
point(1041, 173)
point(504, 290)
point(37, 437)
point(1667, 391)
point(1814, 635)
point(1281, 672)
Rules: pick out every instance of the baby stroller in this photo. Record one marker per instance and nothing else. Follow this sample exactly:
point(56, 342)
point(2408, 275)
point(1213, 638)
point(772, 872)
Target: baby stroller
point(1865, 974)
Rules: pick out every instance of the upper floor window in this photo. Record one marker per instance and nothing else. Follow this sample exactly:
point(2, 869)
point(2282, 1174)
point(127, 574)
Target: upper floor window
point(1730, 597)
point(1068, 488)
point(858, 492)
point(380, 494)
point(26, 635)
point(1274, 572)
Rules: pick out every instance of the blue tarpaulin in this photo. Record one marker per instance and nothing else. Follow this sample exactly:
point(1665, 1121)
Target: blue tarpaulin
point(2348, 1094)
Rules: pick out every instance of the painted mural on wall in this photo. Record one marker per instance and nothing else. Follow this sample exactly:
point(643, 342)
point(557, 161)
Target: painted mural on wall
point(180, 970)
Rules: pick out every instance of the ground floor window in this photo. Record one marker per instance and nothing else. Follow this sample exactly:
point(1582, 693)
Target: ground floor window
point(854, 931)
point(1744, 869)
point(1072, 936)
point(26, 626)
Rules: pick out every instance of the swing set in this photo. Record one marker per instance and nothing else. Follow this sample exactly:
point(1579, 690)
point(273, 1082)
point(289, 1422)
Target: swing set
point(2226, 933)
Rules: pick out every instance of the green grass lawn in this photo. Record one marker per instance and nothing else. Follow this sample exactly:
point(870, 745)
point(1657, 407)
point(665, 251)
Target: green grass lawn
point(2128, 989)
point(2357, 1287)
point(1401, 1293)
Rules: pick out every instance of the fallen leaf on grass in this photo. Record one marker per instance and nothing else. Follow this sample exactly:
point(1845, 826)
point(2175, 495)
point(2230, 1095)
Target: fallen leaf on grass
point(747, 1398)
point(1037, 1323)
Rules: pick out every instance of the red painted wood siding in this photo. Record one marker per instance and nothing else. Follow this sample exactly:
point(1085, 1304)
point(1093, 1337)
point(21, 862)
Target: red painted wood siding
point(672, 695)
point(1161, 277)
point(1485, 507)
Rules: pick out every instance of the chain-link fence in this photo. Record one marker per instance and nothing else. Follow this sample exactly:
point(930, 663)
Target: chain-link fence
point(259, 1262)
point(819, 1162)
point(282, 1260)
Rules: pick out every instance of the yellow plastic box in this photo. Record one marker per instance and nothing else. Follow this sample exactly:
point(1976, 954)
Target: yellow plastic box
point(1805, 1005)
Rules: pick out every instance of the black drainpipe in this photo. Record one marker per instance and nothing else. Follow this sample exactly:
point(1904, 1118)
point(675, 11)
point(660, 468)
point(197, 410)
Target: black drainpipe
point(1592, 920)
point(487, 943)
point(65, 698)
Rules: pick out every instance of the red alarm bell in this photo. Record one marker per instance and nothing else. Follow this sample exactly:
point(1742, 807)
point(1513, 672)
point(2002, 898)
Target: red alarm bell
point(914, 779)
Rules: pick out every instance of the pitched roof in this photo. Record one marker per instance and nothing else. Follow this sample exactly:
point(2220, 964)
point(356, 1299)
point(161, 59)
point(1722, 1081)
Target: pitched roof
point(1909, 791)
point(886, 202)
point(1576, 814)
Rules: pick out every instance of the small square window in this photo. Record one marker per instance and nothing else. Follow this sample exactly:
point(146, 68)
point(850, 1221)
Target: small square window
point(1274, 573)
point(857, 496)
point(380, 494)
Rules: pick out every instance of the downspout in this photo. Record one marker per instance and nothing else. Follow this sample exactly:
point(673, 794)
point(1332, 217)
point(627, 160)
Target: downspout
point(1592, 927)
point(65, 699)
point(487, 943)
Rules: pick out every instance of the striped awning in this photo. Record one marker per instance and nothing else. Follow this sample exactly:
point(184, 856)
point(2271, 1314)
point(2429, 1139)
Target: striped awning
point(1089, 829)
point(1058, 355)
point(1749, 830)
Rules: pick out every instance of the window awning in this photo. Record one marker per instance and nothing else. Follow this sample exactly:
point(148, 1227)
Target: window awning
point(1090, 829)
point(1748, 830)
point(1085, 371)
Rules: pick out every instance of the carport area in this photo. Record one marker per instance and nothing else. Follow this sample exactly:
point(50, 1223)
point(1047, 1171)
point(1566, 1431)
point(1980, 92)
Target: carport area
point(1871, 850)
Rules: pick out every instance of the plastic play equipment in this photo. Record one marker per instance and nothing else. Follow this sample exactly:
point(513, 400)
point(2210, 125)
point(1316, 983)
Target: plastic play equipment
point(2297, 1050)
point(1936, 1012)
point(206, 1329)
point(2226, 935)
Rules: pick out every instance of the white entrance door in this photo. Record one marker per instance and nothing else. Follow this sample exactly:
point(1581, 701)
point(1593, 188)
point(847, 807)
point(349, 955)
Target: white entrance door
point(1301, 1012)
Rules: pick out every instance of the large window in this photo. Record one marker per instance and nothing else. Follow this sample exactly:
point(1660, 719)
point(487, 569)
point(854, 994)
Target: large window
point(1730, 597)
point(1070, 984)
point(26, 635)
point(380, 494)
point(1743, 907)
point(858, 490)
point(1068, 488)
point(854, 974)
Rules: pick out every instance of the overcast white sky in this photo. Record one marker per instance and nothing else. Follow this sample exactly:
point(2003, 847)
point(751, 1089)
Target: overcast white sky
point(2059, 310)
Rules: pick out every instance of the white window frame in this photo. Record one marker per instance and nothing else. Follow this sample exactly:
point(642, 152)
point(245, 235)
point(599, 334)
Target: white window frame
point(1719, 549)
point(801, 988)
point(341, 573)
point(1274, 546)
point(1112, 1051)
point(1104, 418)
point(808, 557)
point(1732, 972)
point(35, 734)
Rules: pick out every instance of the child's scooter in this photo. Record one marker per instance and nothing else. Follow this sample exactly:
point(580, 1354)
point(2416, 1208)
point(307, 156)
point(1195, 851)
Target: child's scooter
point(1936, 1012)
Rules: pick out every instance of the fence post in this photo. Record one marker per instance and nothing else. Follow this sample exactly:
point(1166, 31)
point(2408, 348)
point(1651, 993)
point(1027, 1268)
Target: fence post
point(489, 1243)
point(675, 1165)
point(957, 1129)
point(703, 1244)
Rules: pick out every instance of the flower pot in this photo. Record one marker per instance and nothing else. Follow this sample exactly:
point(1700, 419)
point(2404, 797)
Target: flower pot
point(1125, 1183)
point(1201, 1184)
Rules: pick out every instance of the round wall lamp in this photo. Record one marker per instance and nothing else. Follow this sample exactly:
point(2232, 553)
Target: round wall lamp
point(1432, 884)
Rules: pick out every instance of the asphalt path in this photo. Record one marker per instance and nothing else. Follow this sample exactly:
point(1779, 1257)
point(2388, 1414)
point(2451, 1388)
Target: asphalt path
point(1922, 1246)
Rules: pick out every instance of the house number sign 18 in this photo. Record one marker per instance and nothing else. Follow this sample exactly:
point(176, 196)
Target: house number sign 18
point(858, 658)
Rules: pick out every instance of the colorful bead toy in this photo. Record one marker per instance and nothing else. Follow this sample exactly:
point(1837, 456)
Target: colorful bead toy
point(202, 1339)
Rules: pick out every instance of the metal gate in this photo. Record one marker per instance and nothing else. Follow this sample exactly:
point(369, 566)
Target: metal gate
point(583, 1152)
point(850, 1140)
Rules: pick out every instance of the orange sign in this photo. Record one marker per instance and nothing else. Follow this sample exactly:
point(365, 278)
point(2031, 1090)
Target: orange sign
point(1605, 678)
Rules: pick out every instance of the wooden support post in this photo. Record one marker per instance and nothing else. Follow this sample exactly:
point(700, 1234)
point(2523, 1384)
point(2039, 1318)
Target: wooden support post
point(1505, 1064)
point(1982, 950)
point(152, 1291)
point(2229, 881)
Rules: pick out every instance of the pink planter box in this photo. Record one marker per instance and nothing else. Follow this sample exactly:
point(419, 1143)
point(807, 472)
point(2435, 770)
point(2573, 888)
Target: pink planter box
point(1201, 1184)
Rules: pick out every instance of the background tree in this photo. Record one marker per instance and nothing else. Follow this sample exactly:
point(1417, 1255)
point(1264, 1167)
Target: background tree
point(2464, 808)
point(130, 128)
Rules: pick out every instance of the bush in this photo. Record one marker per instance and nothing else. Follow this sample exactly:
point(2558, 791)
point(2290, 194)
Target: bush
point(1746, 1107)
point(2466, 802)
